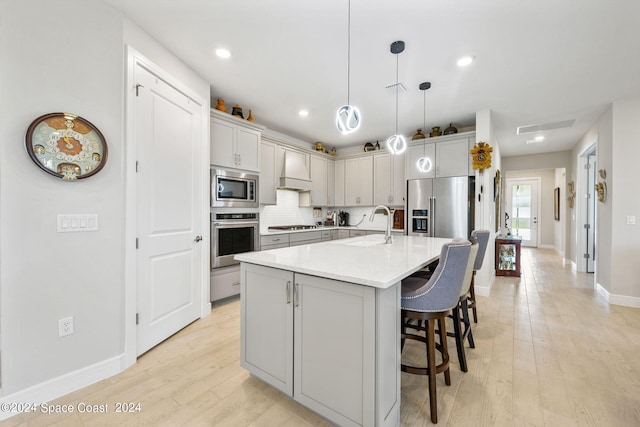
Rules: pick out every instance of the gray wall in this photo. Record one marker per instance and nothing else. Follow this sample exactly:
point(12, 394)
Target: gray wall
point(69, 56)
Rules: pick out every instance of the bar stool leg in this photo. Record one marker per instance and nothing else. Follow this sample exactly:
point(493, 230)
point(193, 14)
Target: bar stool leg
point(459, 337)
point(431, 366)
point(472, 298)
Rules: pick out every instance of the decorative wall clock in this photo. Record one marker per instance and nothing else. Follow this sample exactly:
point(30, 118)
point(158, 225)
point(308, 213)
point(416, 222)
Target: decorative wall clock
point(66, 146)
point(481, 155)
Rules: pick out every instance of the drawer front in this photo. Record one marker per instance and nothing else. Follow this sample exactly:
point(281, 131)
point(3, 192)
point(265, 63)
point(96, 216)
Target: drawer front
point(225, 285)
point(326, 235)
point(306, 235)
point(305, 242)
point(375, 232)
point(355, 233)
point(277, 239)
point(343, 234)
point(276, 246)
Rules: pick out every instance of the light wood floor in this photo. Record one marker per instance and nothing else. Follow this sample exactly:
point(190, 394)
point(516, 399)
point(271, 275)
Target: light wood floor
point(548, 353)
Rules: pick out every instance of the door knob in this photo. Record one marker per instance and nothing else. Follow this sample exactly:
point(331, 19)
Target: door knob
point(197, 239)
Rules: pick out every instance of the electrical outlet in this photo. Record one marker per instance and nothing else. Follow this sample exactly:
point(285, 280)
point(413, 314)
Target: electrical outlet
point(65, 326)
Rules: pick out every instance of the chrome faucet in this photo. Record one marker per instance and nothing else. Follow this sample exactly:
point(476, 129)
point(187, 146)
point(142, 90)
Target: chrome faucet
point(387, 234)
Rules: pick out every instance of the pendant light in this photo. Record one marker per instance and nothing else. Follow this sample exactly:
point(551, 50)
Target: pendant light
point(348, 116)
point(424, 163)
point(396, 143)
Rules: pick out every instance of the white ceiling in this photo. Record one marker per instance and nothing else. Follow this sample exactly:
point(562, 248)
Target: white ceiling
point(536, 61)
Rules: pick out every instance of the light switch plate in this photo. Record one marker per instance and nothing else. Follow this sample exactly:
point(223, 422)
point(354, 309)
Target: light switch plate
point(631, 220)
point(68, 223)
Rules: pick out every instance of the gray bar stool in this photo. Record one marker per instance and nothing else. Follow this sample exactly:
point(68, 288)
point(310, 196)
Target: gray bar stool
point(482, 236)
point(431, 300)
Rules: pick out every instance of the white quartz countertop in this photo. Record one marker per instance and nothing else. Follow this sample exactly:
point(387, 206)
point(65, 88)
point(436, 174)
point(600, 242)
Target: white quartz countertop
point(327, 227)
point(364, 260)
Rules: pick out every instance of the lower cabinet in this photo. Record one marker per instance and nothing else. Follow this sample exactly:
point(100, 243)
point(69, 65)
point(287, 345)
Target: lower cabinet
point(332, 346)
point(224, 282)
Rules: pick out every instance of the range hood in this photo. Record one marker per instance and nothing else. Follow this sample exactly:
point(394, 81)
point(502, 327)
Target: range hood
point(295, 172)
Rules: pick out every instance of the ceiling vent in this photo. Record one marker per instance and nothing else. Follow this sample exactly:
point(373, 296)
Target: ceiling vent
point(392, 88)
point(544, 126)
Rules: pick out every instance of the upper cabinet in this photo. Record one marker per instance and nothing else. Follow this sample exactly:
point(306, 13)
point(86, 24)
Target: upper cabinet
point(235, 143)
point(268, 173)
point(388, 179)
point(445, 156)
point(452, 158)
point(339, 166)
point(319, 181)
point(358, 181)
point(331, 183)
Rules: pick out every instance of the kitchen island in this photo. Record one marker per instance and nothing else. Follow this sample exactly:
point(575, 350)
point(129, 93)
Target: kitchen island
point(321, 323)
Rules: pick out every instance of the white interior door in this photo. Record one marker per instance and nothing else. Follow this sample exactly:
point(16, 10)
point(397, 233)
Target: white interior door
point(522, 208)
point(169, 178)
point(590, 225)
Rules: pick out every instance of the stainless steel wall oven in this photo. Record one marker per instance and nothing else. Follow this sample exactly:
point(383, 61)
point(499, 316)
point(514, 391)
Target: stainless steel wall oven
point(233, 233)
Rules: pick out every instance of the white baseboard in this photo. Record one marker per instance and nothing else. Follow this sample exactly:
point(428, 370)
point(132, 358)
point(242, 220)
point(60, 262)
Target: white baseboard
point(546, 247)
point(65, 384)
point(484, 291)
point(623, 300)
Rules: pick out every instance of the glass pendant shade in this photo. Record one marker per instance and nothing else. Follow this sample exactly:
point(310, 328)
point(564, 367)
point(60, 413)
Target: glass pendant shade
point(396, 144)
point(348, 119)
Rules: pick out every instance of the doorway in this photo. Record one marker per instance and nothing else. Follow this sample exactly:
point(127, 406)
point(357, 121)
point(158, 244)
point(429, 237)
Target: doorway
point(586, 218)
point(522, 209)
point(167, 168)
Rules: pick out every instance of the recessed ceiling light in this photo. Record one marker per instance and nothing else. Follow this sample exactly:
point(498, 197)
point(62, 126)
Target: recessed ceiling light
point(303, 113)
point(223, 53)
point(464, 61)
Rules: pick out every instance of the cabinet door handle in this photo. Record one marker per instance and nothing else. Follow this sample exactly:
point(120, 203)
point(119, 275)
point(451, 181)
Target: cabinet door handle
point(296, 296)
point(276, 240)
point(288, 291)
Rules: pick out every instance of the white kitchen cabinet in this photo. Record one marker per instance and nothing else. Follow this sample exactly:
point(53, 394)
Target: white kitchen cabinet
point(305, 238)
point(331, 183)
point(224, 282)
point(235, 143)
point(319, 181)
point(339, 166)
point(343, 234)
point(268, 173)
point(452, 158)
point(449, 156)
point(358, 182)
point(317, 340)
point(266, 304)
point(389, 181)
point(275, 241)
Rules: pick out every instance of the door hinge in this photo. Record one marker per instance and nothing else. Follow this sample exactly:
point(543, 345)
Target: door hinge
point(586, 256)
point(587, 226)
point(137, 243)
point(136, 166)
point(587, 166)
point(137, 318)
point(138, 86)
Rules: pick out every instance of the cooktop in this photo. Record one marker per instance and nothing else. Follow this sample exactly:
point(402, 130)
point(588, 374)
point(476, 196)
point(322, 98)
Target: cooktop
point(292, 227)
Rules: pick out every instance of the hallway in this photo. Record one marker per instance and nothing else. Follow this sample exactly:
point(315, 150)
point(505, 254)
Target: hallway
point(548, 353)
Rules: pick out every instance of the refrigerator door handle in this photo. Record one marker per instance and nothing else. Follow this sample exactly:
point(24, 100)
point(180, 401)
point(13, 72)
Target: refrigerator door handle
point(432, 206)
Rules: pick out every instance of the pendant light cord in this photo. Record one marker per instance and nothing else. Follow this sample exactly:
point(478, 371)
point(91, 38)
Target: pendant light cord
point(349, 56)
point(424, 121)
point(397, 62)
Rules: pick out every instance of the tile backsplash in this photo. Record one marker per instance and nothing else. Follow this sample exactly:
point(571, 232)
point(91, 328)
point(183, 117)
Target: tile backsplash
point(286, 212)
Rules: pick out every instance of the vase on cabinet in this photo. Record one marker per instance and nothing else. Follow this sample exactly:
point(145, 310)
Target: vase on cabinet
point(220, 105)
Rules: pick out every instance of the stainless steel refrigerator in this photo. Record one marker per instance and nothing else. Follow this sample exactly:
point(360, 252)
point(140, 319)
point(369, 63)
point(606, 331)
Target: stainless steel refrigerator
point(440, 207)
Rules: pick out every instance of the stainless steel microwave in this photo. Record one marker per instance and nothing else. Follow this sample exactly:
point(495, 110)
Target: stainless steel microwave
point(233, 189)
